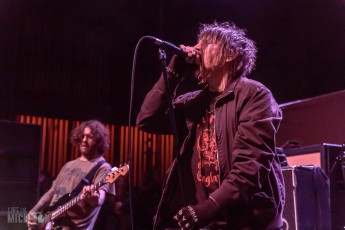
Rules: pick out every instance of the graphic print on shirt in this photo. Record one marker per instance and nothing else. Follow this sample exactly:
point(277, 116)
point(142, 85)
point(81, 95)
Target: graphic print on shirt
point(74, 175)
point(208, 171)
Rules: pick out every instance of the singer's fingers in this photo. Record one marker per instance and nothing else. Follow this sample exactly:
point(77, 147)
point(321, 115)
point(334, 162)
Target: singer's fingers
point(187, 50)
point(190, 51)
point(183, 48)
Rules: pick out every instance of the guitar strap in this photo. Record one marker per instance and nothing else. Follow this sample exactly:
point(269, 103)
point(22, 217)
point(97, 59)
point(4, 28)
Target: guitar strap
point(86, 180)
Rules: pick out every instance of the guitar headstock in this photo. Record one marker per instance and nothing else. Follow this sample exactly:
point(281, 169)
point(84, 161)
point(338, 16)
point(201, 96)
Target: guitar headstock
point(116, 172)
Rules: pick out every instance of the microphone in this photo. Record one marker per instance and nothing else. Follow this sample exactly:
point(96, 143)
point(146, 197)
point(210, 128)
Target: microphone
point(173, 48)
point(167, 45)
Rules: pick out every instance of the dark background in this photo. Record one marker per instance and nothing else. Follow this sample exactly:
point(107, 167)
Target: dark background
point(73, 59)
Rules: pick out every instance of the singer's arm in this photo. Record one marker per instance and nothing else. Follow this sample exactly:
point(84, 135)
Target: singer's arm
point(153, 116)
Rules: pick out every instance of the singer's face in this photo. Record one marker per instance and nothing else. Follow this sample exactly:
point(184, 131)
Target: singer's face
point(210, 61)
point(209, 54)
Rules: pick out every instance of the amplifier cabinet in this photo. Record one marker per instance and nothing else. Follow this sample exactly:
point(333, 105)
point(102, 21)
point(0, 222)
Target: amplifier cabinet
point(307, 203)
point(327, 157)
point(322, 155)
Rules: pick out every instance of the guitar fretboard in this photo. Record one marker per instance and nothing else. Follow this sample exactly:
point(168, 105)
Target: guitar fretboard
point(64, 208)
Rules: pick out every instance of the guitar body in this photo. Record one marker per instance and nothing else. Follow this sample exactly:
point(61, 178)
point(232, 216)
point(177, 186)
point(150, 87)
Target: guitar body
point(46, 219)
point(51, 226)
point(43, 223)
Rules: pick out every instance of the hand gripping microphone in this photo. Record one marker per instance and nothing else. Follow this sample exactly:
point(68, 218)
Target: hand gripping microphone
point(173, 48)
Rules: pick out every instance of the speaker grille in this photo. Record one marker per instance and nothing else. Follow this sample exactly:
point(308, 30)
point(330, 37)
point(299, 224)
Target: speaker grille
point(307, 203)
point(290, 214)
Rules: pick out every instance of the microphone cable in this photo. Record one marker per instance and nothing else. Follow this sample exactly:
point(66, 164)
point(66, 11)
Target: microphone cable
point(129, 137)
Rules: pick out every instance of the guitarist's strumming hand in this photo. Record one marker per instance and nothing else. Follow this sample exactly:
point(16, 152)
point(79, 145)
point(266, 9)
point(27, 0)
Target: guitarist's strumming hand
point(92, 196)
point(32, 220)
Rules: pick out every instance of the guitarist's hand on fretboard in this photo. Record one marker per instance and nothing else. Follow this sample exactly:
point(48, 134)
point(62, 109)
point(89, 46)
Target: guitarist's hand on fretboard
point(92, 196)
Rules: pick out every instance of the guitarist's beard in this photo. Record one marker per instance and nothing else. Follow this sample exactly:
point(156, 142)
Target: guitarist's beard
point(88, 151)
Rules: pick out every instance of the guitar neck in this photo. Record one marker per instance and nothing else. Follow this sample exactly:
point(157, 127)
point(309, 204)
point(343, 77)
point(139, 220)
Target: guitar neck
point(64, 208)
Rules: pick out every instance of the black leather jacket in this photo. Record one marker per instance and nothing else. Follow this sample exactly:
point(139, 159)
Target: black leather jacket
point(252, 191)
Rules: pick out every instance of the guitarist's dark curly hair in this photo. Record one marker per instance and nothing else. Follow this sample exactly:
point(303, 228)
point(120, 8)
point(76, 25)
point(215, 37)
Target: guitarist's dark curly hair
point(99, 131)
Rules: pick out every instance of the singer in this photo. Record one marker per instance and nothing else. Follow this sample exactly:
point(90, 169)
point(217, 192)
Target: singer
point(227, 175)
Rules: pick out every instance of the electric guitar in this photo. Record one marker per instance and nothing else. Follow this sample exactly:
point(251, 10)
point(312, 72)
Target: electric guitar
point(53, 213)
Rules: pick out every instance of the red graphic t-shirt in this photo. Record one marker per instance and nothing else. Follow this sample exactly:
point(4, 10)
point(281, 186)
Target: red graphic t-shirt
point(205, 165)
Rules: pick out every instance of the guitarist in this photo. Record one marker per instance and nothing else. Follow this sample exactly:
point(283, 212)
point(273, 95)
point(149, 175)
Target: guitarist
point(92, 137)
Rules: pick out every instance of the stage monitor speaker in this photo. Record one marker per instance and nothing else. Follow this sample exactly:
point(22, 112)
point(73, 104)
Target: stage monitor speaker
point(20, 147)
point(330, 157)
point(307, 204)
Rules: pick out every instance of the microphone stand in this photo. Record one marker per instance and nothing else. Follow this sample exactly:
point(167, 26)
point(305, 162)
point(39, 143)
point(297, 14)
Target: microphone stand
point(162, 59)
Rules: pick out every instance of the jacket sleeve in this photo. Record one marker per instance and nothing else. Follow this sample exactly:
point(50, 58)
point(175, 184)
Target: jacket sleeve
point(253, 151)
point(154, 116)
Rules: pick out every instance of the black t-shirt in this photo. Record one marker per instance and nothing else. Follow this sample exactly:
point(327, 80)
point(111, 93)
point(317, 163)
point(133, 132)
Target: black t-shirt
point(205, 165)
